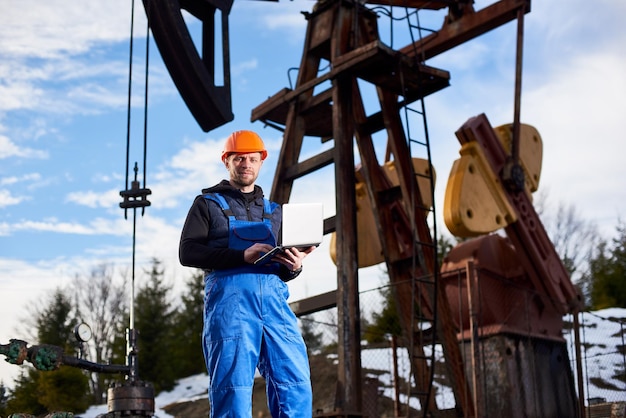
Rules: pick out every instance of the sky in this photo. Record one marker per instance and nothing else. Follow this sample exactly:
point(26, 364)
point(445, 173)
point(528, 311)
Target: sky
point(64, 69)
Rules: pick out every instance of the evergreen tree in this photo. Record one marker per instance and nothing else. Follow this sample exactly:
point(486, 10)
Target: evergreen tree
point(187, 341)
point(23, 397)
point(56, 322)
point(607, 273)
point(313, 340)
point(3, 399)
point(444, 245)
point(65, 389)
point(386, 322)
point(154, 322)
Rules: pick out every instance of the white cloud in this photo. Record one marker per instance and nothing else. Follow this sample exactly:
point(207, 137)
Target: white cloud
point(59, 91)
point(193, 168)
point(6, 199)
point(471, 56)
point(177, 180)
point(579, 111)
point(4, 181)
point(52, 61)
point(244, 66)
point(265, 17)
point(98, 226)
point(574, 24)
point(158, 238)
point(288, 21)
point(56, 27)
point(18, 95)
point(94, 199)
point(106, 178)
point(9, 149)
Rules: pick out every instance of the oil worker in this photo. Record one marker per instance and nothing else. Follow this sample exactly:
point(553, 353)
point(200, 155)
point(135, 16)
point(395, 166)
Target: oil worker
point(247, 321)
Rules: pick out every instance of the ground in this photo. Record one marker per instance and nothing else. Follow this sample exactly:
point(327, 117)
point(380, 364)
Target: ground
point(323, 376)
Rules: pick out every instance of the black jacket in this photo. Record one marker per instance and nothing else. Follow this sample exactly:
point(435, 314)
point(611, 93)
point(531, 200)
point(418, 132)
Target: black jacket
point(193, 249)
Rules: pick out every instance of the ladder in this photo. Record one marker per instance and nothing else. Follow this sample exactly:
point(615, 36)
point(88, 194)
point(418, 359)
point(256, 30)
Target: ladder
point(345, 34)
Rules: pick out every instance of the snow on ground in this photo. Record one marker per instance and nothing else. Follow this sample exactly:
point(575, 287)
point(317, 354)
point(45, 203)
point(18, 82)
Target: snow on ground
point(188, 389)
point(602, 336)
point(604, 357)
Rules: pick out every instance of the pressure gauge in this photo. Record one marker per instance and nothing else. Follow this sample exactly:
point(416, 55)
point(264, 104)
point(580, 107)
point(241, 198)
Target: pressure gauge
point(82, 332)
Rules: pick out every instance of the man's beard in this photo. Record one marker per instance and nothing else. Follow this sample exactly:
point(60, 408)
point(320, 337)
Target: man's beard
point(241, 181)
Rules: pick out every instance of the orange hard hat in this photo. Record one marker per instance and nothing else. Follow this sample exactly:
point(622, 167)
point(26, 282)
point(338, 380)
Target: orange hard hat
point(244, 142)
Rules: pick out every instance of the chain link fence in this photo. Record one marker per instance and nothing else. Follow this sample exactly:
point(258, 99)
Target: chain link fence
point(603, 355)
point(513, 347)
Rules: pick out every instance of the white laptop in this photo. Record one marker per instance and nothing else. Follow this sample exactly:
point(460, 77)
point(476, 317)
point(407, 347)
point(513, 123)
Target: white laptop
point(303, 227)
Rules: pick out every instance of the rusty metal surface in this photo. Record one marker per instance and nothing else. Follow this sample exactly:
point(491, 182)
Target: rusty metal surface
point(508, 363)
point(131, 398)
point(16, 351)
point(506, 298)
point(528, 337)
point(373, 62)
point(467, 25)
point(530, 239)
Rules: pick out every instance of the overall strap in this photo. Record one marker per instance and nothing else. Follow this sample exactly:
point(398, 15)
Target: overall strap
point(268, 207)
point(223, 204)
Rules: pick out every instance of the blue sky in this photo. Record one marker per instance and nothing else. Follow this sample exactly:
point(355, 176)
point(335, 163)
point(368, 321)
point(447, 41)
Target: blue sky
point(63, 95)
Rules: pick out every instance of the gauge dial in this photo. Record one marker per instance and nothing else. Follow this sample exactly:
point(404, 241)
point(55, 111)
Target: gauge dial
point(82, 332)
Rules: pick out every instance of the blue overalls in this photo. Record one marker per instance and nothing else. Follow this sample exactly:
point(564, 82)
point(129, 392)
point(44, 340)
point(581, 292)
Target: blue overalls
point(248, 324)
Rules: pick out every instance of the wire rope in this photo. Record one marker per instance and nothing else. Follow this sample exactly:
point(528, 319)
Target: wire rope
point(135, 196)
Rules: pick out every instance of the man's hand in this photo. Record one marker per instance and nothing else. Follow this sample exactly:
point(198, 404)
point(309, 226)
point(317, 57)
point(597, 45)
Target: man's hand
point(251, 254)
point(292, 257)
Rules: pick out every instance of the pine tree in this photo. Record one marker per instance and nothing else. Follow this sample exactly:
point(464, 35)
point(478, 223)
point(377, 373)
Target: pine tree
point(314, 340)
point(56, 322)
point(65, 389)
point(3, 399)
point(607, 273)
point(187, 343)
point(154, 322)
point(23, 397)
point(385, 322)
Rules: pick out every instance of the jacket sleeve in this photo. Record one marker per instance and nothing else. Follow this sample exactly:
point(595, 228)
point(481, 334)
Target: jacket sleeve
point(193, 250)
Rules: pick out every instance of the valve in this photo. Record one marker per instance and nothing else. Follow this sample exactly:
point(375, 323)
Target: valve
point(15, 351)
point(45, 357)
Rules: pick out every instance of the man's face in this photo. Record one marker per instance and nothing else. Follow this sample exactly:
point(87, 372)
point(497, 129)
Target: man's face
point(244, 169)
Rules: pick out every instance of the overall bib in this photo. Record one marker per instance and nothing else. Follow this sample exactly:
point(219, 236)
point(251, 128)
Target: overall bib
point(248, 324)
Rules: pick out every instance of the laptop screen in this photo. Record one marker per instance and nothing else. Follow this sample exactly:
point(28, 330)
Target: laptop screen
point(303, 224)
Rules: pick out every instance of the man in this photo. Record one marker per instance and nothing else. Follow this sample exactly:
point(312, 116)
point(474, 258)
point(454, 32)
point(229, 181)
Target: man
point(247, 321)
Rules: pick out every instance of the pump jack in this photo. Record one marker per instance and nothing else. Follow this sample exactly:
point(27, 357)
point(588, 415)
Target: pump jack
point(344, 33)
